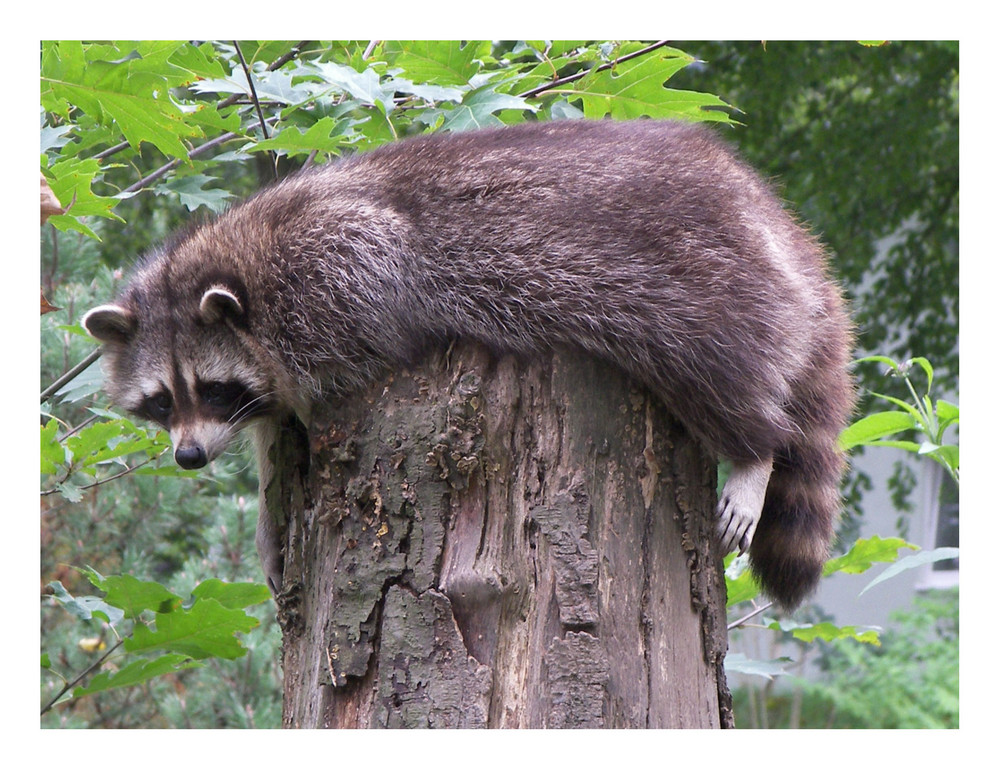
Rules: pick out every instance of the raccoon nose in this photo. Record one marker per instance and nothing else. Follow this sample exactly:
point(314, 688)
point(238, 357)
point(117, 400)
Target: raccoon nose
point(190, 457)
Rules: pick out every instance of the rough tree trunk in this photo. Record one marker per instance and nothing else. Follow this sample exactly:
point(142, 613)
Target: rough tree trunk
point(497, 543)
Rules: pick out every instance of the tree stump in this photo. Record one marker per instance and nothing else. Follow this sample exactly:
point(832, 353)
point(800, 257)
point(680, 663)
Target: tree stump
point(490, 542)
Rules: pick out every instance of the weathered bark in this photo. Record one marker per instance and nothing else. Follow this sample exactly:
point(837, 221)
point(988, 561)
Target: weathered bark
point(498, 543)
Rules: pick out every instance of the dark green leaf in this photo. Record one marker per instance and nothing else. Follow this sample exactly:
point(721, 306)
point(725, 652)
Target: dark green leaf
point(134, 596)
point(193, 192)
point(323, 136)
point(232, 595)
point(206, 630)
point(136, 672)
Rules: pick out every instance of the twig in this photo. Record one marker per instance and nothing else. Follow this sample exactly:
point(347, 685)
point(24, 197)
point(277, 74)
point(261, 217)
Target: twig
point(583, 73)
point(66, 688)
point(210, 144)
point(51, 389)
point(128, 469)
point(253, 89)
point(745, 618)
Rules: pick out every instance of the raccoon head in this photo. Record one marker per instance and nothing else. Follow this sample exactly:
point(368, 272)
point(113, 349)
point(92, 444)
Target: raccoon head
point(184, 367)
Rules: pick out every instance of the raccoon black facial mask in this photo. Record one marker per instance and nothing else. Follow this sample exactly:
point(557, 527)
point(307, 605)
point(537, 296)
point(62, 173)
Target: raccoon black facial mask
point(645, 243)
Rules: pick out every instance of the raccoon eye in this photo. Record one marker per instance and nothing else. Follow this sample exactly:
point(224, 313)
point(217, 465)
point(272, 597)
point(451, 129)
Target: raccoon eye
point(159, 406)
point(222, 394)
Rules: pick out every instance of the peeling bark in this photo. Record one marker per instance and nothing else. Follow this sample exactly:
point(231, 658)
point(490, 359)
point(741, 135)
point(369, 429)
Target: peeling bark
point(485, 542)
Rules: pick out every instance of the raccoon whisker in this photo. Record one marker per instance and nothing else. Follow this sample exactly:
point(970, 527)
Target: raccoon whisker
point(246, 411)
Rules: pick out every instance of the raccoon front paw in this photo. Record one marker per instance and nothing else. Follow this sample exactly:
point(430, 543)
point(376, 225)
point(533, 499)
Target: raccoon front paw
point(740, 505)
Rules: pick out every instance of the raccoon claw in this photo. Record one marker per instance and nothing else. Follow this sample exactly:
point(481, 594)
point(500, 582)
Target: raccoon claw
point(735, 529)
point(274, 572)
point(272, 560)
point(740, 505)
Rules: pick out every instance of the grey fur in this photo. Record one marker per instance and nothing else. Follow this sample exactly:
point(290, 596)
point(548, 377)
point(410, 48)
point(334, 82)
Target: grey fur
point(645, 243)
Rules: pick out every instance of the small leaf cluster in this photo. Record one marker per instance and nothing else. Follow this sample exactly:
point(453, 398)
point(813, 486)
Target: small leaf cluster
point(158, 632)
point(927, 417)
point(85, 457)
point(201, 106)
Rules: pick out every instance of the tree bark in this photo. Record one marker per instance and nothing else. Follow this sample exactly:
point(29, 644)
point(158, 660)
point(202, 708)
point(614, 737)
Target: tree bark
point(484, 542)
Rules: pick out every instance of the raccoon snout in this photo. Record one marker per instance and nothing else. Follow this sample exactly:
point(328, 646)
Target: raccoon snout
point(191, 457)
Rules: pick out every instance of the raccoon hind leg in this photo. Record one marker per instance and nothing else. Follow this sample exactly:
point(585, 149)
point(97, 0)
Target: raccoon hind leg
point(740, 504)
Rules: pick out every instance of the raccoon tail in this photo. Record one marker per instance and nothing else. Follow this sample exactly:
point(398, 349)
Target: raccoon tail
point(797, 522)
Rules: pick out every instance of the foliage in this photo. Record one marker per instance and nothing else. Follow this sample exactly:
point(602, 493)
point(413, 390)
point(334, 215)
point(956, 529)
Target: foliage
point(196, 126)
point(822, 116)
point(932, 418)
point(157, 622)
point(909, 682)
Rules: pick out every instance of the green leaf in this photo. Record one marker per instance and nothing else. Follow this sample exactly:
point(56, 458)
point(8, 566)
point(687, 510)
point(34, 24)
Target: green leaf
point(133, 596)
point(85, 607)
point(425, 91)
point(365, 86)
point(232, 595)
point(741, 585)
point(136, 672)
point(85, 384)
point(200, 61)
point(924, 364)
point(477, 108)
point(810, 632)
point(910, 562)
point(70, 491)
point(865, 552)
point(908, 446)
point(192, 191)
point(71, 180)
point(635, 88)
point(947, 413)
point(440, 62)
point(875, 426)
point(53, 455)
point(891, 363)
point(128, 87)
point(947, 455)
point(206, 630)
point(166, 471)
point(738, 663)
point(325, 136)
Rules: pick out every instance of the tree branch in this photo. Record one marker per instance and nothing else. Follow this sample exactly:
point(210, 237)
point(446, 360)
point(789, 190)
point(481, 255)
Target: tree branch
point(583, 73)
point(54, 387)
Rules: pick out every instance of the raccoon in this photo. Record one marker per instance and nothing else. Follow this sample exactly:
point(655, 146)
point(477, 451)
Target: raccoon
point(645, 243)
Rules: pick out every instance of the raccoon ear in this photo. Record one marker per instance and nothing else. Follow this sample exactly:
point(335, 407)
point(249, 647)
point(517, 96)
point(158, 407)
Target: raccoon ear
point(110, 323)
point(218, 303)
